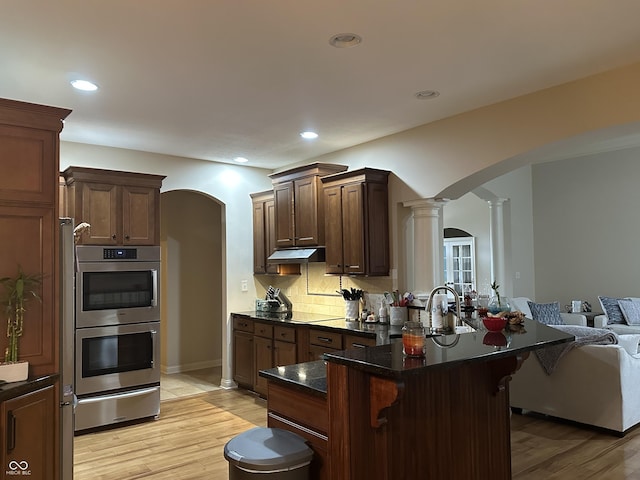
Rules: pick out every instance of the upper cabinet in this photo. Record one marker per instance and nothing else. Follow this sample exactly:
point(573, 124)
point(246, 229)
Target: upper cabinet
point(264, 236)
point(122, 208)
point(357, 222)
point(29, 147)
point(299, 208)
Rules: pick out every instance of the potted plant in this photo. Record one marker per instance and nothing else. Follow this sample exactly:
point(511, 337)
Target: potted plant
point(498, 303)
point(17, 291)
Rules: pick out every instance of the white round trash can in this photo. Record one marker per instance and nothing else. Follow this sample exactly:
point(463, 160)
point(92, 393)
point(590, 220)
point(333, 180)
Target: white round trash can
point(268, 453)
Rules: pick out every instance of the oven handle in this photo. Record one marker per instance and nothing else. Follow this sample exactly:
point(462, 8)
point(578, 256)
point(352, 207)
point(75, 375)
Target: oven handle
point(117, 396)
point(154, 342)
point(154, 276)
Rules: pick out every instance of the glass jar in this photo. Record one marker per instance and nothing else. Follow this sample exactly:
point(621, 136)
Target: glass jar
point(501, 304)
point(413, 339)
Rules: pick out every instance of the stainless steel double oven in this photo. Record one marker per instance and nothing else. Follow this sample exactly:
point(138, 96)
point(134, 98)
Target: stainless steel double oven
point(117, 329)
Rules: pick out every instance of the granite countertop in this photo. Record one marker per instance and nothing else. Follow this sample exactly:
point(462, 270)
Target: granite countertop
point(309, 376)
point(15, 389)
point(383, 332)
point(444, 351)
point(447, 351)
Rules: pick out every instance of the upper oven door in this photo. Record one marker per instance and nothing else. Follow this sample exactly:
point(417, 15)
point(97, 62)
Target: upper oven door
point(116, 293)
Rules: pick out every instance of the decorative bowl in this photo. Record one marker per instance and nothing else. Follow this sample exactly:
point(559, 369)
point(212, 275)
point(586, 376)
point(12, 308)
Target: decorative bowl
point(494, 324)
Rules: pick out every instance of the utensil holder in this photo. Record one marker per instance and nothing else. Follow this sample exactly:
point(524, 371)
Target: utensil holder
point(352, 309)
point(398, 315)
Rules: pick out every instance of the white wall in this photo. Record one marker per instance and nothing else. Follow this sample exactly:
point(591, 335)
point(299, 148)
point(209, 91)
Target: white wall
point(587, 227)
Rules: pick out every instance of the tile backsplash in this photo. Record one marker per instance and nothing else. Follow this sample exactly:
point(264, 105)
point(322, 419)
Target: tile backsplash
point(313, 291)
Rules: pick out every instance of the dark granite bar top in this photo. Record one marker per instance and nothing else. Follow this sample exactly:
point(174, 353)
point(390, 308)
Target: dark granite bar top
point(309, 376)
point(443, 351)
point(447, 351)
point(286, 317)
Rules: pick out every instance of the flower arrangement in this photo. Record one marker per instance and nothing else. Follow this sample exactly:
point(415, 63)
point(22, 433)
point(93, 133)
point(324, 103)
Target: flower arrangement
point(18, 290)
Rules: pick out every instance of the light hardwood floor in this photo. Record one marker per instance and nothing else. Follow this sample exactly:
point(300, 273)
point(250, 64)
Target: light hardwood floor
point(187, 443)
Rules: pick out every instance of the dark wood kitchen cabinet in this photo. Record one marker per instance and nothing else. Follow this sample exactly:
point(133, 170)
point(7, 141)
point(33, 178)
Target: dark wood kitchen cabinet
point(243, 362)
point(272, 346)
point(29, 429)
point(29, 226)
point(264, 236)
point(357, 222)
point(262, 354)
point(299, 210)
point(122, 208)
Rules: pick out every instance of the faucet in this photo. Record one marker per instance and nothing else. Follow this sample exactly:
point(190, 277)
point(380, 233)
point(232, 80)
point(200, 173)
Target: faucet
point(458, 320)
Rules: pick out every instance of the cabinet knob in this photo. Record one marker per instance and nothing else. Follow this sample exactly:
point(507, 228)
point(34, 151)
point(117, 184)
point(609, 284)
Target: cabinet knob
point(113, 237)
point(126, 237)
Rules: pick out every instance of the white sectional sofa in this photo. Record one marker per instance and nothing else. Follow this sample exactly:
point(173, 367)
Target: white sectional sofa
point(602, 321)
point(593, 384)
point(520, 303)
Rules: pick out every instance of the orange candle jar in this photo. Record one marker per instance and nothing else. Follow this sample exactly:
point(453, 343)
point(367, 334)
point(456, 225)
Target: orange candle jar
point(413, 339)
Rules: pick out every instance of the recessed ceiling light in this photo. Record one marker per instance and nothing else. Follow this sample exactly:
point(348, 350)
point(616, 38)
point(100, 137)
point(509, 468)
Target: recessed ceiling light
point(309, 135)
point(345, 40)
point(84, 85)
point(240, 160)
point(427, 94)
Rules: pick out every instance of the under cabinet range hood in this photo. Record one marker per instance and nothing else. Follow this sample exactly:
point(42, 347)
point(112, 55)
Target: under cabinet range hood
point(297, 255)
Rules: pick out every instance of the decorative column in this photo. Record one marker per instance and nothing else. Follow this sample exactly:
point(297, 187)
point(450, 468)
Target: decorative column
point(428, 243)
point(500, 241)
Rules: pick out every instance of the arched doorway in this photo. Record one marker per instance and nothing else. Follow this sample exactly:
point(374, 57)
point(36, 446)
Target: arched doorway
point(192, 282)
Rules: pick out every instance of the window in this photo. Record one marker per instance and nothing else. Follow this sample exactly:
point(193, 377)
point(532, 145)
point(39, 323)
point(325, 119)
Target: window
point(460, 263)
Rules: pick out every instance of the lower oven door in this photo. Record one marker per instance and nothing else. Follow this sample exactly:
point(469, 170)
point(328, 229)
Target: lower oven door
point(117, 357)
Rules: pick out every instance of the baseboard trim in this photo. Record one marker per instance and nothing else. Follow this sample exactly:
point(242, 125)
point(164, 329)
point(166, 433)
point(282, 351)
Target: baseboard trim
point(188, 367)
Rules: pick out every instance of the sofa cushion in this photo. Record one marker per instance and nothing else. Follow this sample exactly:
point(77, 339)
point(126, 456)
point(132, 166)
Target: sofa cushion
point(547, 313)
point(629, 343)
point(612, 310)
point(630, 311)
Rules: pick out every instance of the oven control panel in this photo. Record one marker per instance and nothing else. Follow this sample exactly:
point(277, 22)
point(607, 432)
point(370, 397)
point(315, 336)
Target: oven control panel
point(120, 253)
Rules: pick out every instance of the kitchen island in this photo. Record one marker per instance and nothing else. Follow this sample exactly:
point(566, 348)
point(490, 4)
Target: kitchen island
point(388, 416)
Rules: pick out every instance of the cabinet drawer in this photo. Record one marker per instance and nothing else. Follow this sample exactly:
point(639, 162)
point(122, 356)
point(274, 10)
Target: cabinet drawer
point(304, 409)
point(356, 341)
point(243, 324)
point(284, 334)
point(325, 339)
point(263, 330)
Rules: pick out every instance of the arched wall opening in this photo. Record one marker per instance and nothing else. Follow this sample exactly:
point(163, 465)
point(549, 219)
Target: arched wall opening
point(192, 294)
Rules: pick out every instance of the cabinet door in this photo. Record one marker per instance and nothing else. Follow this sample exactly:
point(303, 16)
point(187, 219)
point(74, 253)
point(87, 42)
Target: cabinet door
point(333, 229)
point(263, 354)
point(243, 358)
point(139, 206)
point(100, 209)
point(283, 198)
point(377, 228)
point(284, 353)
point(259, 240)
point(270, 234)
point(353, 229)
point(27, 237)
point(28, 169)
point(305, 217)
point(29, 433)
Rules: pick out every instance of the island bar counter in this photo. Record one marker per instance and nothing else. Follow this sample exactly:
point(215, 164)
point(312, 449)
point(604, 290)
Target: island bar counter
point(444, 416)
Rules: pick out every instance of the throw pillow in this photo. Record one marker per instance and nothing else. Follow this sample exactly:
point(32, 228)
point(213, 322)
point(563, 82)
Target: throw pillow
point(630, 311)
point(612, 309)
point(629, 343)
point(547, 313)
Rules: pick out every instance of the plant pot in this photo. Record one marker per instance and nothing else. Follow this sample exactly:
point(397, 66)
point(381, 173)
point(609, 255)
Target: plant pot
point(14, 372)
